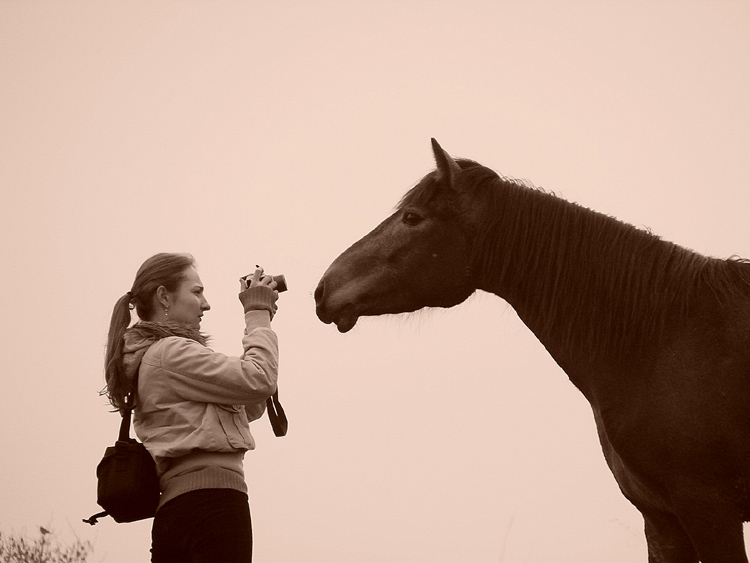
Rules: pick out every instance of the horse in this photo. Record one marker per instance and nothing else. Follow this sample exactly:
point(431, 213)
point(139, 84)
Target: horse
point(655, 336)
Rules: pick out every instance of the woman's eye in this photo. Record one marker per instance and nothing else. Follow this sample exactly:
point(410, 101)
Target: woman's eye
point(411, 218)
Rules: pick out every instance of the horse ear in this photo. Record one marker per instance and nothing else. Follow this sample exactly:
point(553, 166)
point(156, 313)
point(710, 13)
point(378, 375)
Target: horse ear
point(447, 167)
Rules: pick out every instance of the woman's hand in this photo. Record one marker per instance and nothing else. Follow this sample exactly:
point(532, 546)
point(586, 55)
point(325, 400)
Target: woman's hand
point(257, 279)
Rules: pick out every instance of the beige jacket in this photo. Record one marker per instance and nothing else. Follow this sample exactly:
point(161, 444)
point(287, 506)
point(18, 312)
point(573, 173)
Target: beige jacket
point(193, 405)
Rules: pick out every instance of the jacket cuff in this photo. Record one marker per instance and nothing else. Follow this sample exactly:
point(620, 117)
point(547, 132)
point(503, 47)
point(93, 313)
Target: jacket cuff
point(257, 318)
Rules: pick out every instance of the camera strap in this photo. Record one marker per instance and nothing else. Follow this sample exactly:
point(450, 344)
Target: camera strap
point(276, 415)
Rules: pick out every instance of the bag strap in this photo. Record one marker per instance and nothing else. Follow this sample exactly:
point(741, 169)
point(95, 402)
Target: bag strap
point(95, 518)
point(124, 435)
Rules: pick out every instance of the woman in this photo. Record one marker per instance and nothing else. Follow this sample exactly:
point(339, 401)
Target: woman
point(193, 405)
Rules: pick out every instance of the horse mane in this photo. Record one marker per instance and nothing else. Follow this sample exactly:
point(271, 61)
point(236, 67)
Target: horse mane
point(600, 284)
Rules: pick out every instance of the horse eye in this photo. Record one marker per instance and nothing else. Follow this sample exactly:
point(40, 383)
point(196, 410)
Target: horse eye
point(411, 218)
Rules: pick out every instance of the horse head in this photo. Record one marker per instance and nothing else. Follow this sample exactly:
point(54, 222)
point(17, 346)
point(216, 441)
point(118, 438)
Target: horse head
point(418, 257)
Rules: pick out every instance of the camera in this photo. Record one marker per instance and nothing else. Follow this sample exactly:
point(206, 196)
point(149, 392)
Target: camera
point(279, 279)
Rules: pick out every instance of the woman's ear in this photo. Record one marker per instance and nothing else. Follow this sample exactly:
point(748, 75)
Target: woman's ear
point(162, 296)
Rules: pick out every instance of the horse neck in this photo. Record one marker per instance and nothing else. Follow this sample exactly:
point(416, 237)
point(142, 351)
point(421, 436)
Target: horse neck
point(590, 287)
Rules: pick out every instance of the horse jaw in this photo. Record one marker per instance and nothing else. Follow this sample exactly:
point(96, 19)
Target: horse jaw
point(342, 298)
point(344, 303)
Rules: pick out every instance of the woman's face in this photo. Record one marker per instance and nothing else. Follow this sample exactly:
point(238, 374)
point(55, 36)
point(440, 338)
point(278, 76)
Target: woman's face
point(187, 303)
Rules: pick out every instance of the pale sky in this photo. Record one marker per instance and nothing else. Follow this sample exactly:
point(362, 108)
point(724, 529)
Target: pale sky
point(278, 133)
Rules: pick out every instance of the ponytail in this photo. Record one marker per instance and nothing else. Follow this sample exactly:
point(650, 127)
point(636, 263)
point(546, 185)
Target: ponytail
point(164, 269)
point(117, 387)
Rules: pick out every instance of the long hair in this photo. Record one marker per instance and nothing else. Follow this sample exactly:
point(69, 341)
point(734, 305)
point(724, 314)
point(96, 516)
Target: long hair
point(163, 269)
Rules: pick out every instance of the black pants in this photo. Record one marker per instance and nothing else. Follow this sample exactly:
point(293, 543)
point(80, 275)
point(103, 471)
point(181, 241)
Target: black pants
point(204, 526)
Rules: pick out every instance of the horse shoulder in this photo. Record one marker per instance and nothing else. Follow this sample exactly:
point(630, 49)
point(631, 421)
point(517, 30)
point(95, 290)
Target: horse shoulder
point(681, 425)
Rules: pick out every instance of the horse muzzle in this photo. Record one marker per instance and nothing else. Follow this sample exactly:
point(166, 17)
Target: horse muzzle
point(332, 310)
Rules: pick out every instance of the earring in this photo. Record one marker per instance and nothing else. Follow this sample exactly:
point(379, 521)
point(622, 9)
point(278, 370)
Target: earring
point(166, 311)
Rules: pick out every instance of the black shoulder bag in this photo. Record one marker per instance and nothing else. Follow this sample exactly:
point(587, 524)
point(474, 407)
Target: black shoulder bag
point(127, 484)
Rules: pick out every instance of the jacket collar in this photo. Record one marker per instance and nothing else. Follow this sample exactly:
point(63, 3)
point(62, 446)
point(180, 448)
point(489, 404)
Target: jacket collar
point(139, 337)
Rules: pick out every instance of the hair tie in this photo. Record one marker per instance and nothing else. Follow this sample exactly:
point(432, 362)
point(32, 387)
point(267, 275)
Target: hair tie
point(130, 300)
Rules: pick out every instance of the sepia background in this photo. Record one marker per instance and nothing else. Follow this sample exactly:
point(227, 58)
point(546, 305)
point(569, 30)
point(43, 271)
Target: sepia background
point(278, 133)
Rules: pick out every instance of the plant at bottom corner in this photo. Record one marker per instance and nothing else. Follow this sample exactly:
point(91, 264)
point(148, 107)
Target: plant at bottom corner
point(18, 548)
